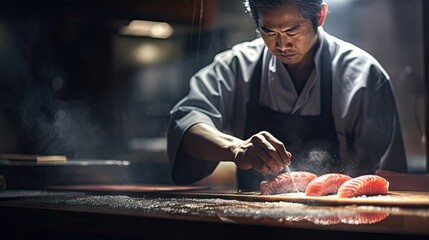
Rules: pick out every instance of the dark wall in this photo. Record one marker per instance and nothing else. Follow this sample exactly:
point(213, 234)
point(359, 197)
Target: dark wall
point(64, 89)
point(426, 71)
point(55, 79)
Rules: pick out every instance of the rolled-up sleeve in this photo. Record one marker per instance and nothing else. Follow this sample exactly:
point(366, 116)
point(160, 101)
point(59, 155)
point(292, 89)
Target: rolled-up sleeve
point(211, 90)
point(186, 169)
point(217, 96)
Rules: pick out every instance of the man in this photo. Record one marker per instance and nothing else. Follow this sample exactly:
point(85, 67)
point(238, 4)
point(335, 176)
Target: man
point(297, 93)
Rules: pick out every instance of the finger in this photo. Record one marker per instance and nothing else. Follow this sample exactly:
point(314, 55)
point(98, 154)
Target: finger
point(278, 151)
point(259, 165)
point(252, 157)
point(280, 147)
point(267, 153)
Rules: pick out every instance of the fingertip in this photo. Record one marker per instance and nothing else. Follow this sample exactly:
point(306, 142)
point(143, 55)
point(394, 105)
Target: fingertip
point(288, 160)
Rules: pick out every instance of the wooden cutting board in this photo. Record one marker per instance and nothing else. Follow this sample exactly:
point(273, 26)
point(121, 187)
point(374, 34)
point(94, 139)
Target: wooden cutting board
point(393, 198)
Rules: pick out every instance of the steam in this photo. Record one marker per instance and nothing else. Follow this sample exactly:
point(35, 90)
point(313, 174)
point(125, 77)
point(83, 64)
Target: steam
point(59, 127)
point(316, 157)
point(319, 160)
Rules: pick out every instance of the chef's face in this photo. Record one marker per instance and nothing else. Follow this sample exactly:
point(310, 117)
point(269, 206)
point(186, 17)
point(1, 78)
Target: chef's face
point(288, 35)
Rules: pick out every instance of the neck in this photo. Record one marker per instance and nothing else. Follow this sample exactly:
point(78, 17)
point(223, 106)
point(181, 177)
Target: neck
point(299, 77)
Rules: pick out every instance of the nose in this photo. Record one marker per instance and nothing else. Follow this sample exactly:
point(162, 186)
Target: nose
point(283, 42)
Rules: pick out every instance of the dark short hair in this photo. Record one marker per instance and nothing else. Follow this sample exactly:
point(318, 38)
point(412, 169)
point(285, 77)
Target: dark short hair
point(307, 8)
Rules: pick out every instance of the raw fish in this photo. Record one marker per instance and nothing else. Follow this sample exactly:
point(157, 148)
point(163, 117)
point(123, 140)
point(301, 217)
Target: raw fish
point(367, 185)
point(326, 184)
point(282, 183)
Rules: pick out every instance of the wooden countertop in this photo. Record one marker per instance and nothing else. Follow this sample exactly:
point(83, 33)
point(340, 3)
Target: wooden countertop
point(411, 199)
point(193, 214)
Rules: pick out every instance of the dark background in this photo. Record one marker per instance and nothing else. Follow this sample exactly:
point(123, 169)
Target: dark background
point(71, 84)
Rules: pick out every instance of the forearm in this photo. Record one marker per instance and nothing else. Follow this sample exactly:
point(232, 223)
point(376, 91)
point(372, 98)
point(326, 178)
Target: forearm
point(205, 142)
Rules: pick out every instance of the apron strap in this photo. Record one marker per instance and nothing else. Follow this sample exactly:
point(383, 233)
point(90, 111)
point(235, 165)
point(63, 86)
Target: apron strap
point(326, 82)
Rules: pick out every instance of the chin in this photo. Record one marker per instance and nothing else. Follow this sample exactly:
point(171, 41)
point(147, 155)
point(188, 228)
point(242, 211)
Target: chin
point(288, 61)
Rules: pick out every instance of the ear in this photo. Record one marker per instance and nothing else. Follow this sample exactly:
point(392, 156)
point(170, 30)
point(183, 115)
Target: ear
point(321, 16)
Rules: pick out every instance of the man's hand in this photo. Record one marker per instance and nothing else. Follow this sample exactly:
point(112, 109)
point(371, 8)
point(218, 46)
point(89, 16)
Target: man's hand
point(262, 152)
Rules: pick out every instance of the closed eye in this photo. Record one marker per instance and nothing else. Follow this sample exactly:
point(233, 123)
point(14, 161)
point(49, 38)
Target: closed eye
point(267, 31)
point(292, 31)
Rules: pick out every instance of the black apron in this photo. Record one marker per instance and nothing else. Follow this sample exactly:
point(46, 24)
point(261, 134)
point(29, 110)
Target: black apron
point(312, 140)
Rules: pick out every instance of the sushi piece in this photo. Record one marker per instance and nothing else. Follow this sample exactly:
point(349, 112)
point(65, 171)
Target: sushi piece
point(368, 185)
point(282, 183)
point(326, 184)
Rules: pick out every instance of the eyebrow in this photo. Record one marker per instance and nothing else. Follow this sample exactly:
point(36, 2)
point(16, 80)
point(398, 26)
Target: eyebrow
point(265, 29)
point(290, 29)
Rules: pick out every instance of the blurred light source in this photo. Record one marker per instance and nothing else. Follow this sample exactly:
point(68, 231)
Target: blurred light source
point(148, 53)
point(148, 29)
